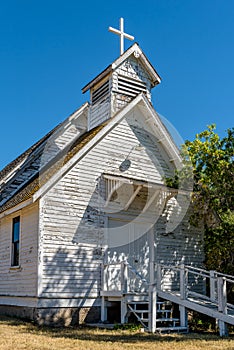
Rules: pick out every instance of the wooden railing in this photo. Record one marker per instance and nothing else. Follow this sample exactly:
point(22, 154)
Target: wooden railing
point(116, 282)
point(119, 277)
point(186, 282)
point(213, 283)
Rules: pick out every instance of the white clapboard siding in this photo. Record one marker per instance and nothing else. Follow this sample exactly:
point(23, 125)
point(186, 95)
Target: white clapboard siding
point(22, 281)
point(182, 246)
point(98, 113)
point(72, 216)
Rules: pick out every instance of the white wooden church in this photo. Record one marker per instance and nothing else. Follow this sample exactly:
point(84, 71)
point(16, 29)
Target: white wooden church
point(88, 230)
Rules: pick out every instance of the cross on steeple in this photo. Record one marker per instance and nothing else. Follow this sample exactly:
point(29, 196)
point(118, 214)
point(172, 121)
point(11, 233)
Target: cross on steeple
point(121, 33)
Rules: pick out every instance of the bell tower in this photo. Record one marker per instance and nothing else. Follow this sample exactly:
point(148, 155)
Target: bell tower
point(129, 75)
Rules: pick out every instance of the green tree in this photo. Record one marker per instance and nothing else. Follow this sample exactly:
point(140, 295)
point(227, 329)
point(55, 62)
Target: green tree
point(212, 159)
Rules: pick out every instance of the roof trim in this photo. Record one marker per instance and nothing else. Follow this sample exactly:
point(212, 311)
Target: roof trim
point(44, 175)
point(93, 82)
point(18, 207)
point(166, 139)
point(135, 48)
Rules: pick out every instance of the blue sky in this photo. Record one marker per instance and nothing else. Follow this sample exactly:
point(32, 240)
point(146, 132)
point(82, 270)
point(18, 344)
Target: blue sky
point(50, 49)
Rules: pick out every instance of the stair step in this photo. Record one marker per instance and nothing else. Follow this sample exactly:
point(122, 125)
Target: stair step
point(146, 310)
point(141, 311)
point(166, 302)
point(167, 319)
point(137, 302)
point(172, 329)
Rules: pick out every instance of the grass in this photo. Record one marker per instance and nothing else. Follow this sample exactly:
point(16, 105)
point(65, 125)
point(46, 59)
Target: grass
point(20, 335)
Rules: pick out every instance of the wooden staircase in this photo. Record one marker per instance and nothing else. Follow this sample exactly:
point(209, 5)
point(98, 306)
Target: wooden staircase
point(165, 321)
point(153, 304)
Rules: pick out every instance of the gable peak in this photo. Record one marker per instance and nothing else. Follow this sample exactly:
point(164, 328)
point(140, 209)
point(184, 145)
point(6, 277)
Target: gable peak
point(129, 75)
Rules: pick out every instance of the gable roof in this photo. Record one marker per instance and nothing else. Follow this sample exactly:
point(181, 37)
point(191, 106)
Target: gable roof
point(40, 178)
point(7, 170)
point(13, 166)
point(42, 181)
point(135, 48)
point(25, 168)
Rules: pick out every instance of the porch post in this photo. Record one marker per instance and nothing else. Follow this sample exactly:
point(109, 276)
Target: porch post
point(103, 289)
point(152, 285)
point(212, 285)
point(183, 296)
point(222, 304)
point(124, 290)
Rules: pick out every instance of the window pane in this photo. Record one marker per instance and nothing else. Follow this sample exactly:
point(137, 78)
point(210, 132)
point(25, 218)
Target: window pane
point(16, 229)
point(16, 254)
point(15, 241)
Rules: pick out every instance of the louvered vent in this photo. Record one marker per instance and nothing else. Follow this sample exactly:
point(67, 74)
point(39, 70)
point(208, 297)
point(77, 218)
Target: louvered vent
point(100, 107)
point(99, 95)
point(130, 87)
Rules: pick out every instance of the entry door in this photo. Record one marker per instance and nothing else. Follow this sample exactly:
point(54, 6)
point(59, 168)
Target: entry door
point(128, 240)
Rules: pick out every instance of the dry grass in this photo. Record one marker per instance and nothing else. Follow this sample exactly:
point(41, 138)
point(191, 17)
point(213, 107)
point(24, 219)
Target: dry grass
point(19, 335)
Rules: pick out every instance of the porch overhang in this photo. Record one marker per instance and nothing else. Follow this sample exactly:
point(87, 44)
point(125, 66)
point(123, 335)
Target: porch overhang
point(114, 182)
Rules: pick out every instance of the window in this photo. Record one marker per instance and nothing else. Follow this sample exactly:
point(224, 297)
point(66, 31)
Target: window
point(15, 241)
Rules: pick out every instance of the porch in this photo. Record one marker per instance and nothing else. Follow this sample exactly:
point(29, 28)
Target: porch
point(153, 303)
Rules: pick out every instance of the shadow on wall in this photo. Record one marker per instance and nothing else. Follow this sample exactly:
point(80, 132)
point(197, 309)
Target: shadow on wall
point(78, 244)
point(72, 271)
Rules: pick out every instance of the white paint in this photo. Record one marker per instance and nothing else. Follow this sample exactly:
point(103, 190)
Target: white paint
point(21, 282)
point(121, 33)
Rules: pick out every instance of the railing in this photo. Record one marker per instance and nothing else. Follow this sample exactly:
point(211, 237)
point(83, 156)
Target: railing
point(121, 277)
point(185, 280)
point(117, 280)
point(189, 281)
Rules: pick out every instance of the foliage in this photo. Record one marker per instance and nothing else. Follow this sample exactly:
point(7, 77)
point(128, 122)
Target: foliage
point(202, 323)
point(212, 161)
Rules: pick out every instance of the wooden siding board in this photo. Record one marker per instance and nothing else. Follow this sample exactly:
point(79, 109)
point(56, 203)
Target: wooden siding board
point(62, 231)
point(71, 237)
point(20, 282)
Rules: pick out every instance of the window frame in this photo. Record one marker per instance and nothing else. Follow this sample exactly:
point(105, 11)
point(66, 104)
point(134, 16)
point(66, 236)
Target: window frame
point(15, 242)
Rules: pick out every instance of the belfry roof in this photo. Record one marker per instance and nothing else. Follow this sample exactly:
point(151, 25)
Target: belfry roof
point(137, 51)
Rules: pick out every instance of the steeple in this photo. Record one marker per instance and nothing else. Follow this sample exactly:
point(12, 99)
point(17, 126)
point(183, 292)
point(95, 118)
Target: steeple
point(130, 74)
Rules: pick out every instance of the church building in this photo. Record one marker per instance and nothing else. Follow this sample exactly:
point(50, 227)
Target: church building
point(86, 217)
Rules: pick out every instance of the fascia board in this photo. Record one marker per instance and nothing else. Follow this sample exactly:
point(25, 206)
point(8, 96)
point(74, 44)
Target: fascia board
point(166, 139)
point(16, 208)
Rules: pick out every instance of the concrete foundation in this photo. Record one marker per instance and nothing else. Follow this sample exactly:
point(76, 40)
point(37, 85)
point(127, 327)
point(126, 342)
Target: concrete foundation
point(60, 317)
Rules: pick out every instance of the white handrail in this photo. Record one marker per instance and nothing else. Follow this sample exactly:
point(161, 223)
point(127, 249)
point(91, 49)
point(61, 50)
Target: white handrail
point(201, 272)
point(218, 283)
